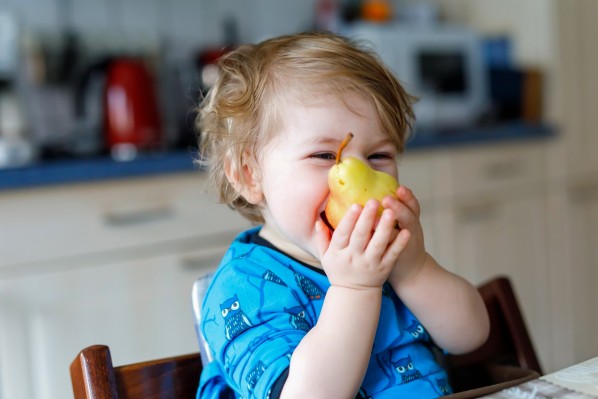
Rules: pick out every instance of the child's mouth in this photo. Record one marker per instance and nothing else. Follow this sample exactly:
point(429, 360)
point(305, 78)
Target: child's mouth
point(325, 220)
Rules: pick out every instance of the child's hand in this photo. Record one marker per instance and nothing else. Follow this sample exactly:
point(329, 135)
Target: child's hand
point(357, 256)
point(407, 211)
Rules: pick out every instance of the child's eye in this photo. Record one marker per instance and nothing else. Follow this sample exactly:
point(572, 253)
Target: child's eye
point(381, 155)
point(325, 155)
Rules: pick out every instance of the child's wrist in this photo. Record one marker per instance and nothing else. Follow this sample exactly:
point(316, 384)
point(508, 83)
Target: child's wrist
point(407, 274)
point(349, 289)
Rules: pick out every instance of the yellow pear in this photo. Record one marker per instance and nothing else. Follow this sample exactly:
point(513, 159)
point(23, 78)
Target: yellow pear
point(352, 181)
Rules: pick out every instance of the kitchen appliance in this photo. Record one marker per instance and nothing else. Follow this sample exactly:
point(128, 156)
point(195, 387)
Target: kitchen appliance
point(9, 46)
point(118, 96)
point(15, 147)
point(131, 116)
point(191, 80)
point(442, 65)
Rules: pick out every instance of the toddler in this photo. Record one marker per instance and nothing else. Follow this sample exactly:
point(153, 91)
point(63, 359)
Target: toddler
point(297, 310)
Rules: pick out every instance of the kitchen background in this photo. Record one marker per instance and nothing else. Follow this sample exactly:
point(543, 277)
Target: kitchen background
point(102, 236)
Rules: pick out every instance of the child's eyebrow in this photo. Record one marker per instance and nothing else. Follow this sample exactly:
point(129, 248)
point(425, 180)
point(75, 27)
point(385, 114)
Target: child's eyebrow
point(336, 142)
point(326, 140)
point(384, 141)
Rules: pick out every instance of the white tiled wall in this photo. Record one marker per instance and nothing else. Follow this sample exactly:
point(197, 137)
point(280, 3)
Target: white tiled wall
point(186, 21)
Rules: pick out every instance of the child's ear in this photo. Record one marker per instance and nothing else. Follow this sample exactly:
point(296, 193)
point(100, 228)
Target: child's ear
point(246, 180)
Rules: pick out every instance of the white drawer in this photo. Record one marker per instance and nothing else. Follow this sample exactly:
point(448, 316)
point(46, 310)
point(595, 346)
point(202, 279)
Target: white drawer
point(519, 166)
point(64, 221)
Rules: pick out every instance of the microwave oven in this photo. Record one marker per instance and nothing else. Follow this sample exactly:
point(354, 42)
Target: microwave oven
point(441, 65)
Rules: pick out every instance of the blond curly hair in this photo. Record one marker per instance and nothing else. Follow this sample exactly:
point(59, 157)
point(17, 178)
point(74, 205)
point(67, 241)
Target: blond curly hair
point(240, 114)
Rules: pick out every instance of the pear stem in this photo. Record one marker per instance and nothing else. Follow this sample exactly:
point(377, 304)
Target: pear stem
point(343, 144)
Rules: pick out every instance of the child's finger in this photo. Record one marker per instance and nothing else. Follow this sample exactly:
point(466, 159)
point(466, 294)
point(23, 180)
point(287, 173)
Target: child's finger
point(365, 225)
point(382, 235)
point(396, 247)
point(406, 196)
point(403, 214)
point(342, 233)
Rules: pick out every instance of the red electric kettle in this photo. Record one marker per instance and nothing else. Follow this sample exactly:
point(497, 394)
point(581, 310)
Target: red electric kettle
point(131, 115)
point(116, 108)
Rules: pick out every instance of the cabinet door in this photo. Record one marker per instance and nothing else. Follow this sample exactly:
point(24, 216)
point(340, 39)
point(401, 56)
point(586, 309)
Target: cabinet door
point(582, 266)
point(417, 172)
point(577, 84)
point(141, 309)
point(508, 238)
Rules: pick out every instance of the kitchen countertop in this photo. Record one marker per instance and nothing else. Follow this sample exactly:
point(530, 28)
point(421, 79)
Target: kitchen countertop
point(65, 171)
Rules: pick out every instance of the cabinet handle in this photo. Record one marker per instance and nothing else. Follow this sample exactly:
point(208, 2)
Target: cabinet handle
point(477, 212)
point(138, 216)
point(210, 259)
point(583, 194)
point(503, 170)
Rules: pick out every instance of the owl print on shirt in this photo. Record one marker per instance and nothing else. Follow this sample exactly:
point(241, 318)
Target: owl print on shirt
point(309, 288)
point(404, 366)
point(417, 331)
point(297, 318)
point(235, 320)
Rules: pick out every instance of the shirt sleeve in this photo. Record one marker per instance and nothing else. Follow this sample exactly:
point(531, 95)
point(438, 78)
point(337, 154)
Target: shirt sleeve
point(253, 319)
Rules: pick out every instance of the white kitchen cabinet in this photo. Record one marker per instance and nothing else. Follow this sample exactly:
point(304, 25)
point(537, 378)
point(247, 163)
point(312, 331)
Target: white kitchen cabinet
point(417, 171)
point(105, 263)
point(141, 309)
point(509, 238)
point(576, 82)
point(573, 268)
point(487, 216)
point(582, 265)
point(82, 219)
point(574, 208)
point(573, 191)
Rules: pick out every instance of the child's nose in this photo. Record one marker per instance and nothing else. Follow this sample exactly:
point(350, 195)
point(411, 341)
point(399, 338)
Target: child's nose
point(361, 157)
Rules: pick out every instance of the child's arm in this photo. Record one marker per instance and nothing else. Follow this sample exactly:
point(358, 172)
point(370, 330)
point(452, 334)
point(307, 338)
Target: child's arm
point(450, 308)
point(332, 358)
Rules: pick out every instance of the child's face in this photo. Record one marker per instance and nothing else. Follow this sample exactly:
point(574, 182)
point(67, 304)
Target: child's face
point(294, 165)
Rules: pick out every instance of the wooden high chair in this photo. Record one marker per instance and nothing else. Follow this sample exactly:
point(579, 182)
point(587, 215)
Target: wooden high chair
point(508, 358)
point(509, 342)
point(93, 376)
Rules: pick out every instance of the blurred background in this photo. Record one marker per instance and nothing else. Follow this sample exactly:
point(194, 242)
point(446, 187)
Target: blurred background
point(105, 221)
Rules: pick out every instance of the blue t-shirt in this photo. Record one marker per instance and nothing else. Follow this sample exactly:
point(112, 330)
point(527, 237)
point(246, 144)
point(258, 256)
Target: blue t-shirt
point(261, 303)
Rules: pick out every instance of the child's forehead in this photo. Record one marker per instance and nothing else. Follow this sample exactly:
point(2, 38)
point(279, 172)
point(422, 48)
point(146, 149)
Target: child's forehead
point(353, 101)
point(327, 118)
